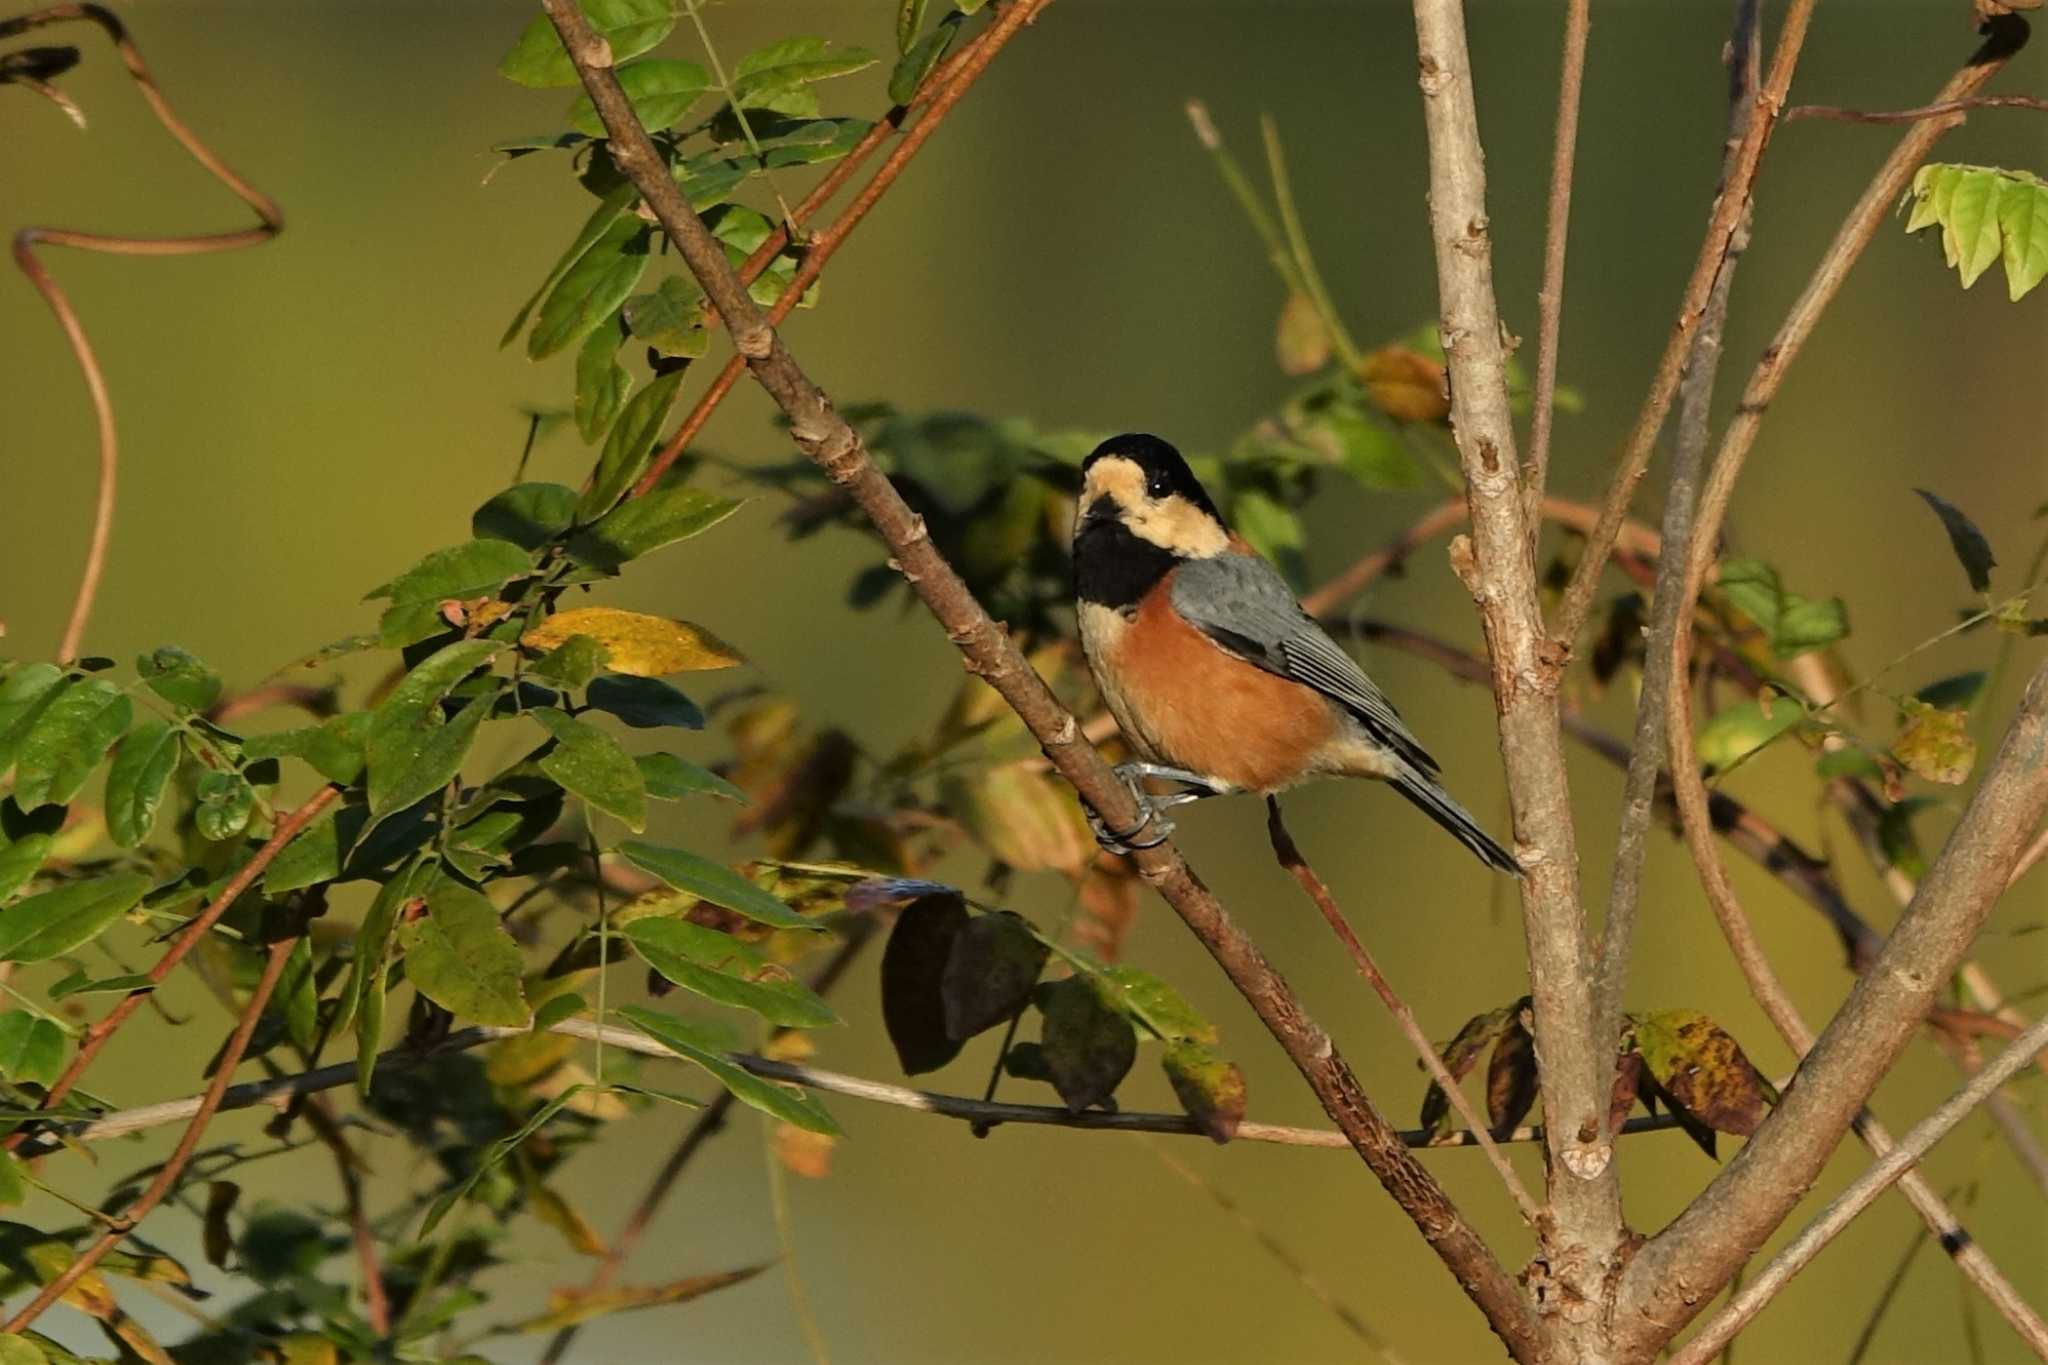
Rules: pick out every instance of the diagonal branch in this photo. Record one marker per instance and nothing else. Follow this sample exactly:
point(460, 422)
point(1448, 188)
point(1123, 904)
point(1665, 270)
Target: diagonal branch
point(837, 448)
point(1578, 23)
point(1800, 1251)
point(1730, 204)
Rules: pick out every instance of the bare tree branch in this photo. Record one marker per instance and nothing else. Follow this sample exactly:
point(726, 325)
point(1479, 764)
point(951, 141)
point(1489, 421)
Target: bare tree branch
point(1737, 182)
point(1925, 111)
point(1796, 1254)
point(836, 447)
point(1585, 1197)
point(1578, 24)
point(1676, 1271)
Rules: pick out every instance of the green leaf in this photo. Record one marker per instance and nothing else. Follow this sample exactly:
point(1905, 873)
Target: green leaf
point(660, 90)
point(670, 778)
point(135, 783)
point(68, 740)
point(20, 859)
point(909, 20)
point(1957, 693)
point(590, 763)
point(1702, 1069)
point(1209, 1086)
point(459, 956)
point(362, 999)
point(2023, 218)
point(989, 973)
point(399, 727)
point(1088, 1046)
point(601, 388)
point(719, 967)
point(528, 515)
point(670, 319)
point(791, 1106)
point(459, 572)
point(494, 1156)
point(592, 289)
point(297, 997)
point(1793, 623)
point(713, 882)
point(22, 1350)
point(334, 748)
point(573, 663)
point(644, 703)
point(1973, 552)
point(1733, 735)
point(54, 922)
point(24, 696)
point(791, 62)
point(13, 1181)
point(78, 983)
point(415, 771)
point(920, 59)
point(667, 513)
point(1156, 1004)
point(629, 28)
point(180, 678)
point(1973, 222)
point(31, 1049)
point(226, 801)
point(609, 210)
point(627, 451)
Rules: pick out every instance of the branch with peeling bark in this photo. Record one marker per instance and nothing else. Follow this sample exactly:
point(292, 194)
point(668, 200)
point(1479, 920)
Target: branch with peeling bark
point(836, 447)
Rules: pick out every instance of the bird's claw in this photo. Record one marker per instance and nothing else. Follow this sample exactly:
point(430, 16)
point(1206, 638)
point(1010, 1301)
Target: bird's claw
point(1152, 820)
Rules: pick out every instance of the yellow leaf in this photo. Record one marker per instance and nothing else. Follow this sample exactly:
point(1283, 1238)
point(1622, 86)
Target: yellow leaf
point(1405, 384)
point(805, 1153)
point(1935, 744)
point(645, 646)
point(557, 1213)
point(567, 1307)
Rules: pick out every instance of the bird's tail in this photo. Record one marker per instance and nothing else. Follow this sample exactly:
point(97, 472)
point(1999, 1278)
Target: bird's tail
point(1427, 794)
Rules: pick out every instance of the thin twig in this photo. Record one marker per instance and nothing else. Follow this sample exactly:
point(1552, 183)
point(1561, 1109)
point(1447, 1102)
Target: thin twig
point(188, 938)
point(376, 1303)
point(1669, 611)
point(836, 447)
point(1730, 204)
point(1578, 24)
point(1881, 1175)
point(1925, 111)
point(822, 244)
point(1289, 854)
point(167, 1175)
point(27, 239)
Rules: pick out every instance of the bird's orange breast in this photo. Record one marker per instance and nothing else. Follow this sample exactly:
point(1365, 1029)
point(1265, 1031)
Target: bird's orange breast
point(1189, 702)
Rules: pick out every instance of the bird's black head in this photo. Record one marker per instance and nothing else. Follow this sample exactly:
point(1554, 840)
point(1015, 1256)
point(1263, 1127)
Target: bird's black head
point(1141, 512)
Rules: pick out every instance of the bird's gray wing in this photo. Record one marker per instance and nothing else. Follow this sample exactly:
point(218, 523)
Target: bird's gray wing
point(1244, 605)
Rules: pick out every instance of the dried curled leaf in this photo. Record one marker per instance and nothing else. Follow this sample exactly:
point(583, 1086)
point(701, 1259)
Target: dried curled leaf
point(1934, 743)
point(913, 981)
point(1209, 1086)
point(1459, 1056)
point(1511, 1077)
point(1406, 384)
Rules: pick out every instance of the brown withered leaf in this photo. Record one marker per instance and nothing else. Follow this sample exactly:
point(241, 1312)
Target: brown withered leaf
point(1405, 384)
point(994, 963)
point(1301, 343)
point(1088, 1046)
point(803, 1152)
point(1459, 1056)
point(1628, 1082)
point(1511, 1078)
point(913, 976)
point(219, 1234)
point(1108, 906)
point(1701, 1070)
point(559, 1214)
point(1209, 1087)
point(1934, 743)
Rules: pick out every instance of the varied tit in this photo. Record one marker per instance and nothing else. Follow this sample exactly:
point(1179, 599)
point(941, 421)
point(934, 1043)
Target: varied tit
point(1218, 678)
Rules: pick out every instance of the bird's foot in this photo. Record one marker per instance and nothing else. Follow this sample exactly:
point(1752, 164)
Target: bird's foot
point(1153, 827)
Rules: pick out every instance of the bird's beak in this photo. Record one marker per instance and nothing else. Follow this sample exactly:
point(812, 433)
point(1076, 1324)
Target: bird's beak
point(1098, 510)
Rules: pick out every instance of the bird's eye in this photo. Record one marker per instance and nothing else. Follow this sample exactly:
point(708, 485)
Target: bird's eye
point(1158, 484)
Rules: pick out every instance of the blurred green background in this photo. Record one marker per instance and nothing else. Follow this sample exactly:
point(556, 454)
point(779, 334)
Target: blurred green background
point(302, 420)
